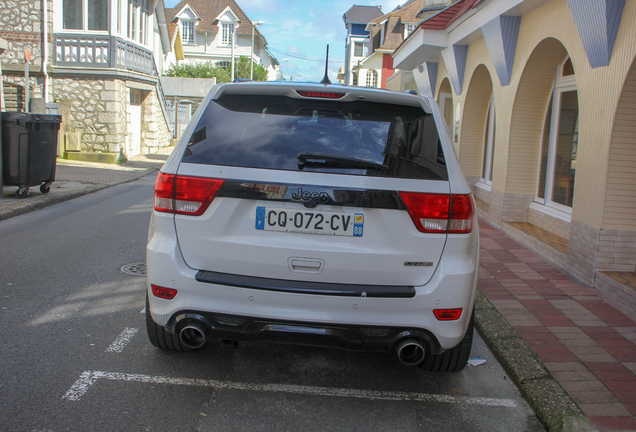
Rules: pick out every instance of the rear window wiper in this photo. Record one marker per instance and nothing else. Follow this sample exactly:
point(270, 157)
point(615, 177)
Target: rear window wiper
point(325, 160)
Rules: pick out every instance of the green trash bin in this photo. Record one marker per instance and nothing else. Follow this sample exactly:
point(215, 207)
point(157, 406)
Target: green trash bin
point(29, 150)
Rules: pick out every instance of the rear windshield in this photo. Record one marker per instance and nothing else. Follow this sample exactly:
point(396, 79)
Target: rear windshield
point(281, 133)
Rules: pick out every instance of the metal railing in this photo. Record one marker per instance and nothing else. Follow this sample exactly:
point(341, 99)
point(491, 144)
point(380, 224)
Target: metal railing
point(108, 52)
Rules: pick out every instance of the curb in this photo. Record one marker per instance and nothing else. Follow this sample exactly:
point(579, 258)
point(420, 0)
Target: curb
point(550, 402)
point(44, 201)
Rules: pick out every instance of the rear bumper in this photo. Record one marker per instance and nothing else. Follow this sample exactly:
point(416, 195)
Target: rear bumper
point(332, 335)
point(310, 318)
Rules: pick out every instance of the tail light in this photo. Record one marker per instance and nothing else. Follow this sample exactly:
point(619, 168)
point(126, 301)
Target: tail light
point(184, 195)
point(448, 314)
point(440, 213)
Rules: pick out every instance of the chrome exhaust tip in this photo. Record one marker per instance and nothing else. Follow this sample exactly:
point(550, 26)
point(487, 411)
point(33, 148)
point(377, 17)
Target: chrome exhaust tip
point(410, 351)
point(192, 336)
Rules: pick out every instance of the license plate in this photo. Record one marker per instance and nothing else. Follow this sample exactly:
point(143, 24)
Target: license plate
point(309, 221)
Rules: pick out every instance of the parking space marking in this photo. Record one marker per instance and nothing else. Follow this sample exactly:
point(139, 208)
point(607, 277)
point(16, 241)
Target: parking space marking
point(88, 378)
point(122, 340)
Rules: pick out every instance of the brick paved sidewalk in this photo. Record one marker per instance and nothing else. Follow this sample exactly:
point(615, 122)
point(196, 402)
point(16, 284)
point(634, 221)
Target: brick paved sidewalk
point(587, 344)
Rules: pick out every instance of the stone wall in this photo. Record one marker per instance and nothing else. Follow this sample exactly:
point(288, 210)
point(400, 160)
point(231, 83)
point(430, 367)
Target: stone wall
point(549, 223)
point(616, 251)
point(583, 251)
point(97, 111)
point(21, 27)
point(495, 204)
point(515, 207)
point(155, 133)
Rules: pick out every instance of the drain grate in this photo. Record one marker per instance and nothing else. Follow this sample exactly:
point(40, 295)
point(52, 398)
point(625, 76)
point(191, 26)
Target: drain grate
point(136, 269)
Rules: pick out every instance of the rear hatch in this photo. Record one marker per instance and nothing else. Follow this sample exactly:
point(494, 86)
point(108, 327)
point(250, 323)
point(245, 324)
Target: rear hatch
point(326, 186)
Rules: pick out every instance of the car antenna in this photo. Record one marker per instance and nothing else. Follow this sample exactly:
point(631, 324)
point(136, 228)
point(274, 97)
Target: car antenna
point(325, 80)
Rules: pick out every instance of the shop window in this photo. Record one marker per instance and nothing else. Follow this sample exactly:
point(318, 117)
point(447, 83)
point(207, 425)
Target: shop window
point(446, 106)
point(559, 146)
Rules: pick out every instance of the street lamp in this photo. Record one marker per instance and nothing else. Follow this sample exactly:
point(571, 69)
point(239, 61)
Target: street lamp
point(254, 25)
point(283, 68)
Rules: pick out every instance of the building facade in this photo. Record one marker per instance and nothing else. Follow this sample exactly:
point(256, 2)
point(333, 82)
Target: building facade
point(99, 61)
point(539, 99)
point(386, 33)
point(357, 41)
point(216, 31)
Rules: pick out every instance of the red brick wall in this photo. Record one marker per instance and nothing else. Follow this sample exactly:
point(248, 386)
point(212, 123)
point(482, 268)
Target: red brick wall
point(387, 68)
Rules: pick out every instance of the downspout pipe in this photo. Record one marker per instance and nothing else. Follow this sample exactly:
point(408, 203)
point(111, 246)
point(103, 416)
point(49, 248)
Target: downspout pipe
point(45, 49)
point(163, 26)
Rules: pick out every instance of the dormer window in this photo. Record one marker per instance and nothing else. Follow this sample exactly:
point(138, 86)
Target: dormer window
point(227, 35)
point(408, 29)
point(187, 32)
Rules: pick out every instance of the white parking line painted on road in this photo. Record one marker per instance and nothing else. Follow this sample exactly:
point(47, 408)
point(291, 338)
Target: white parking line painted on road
point(88, 378)
point(121, 341)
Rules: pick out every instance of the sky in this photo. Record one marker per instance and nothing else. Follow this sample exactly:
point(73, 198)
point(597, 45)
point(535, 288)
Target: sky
point(300, 31)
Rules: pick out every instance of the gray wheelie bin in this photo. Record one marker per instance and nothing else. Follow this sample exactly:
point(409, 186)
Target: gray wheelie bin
point(29, 150)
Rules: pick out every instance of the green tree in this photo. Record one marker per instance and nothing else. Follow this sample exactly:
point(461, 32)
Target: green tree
point(208, 70)
point(242, 69)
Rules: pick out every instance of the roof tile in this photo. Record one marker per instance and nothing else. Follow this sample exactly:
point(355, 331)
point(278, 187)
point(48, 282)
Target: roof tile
point(208, 10)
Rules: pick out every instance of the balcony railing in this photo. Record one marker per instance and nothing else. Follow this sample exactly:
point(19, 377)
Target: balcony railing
point(88, 51)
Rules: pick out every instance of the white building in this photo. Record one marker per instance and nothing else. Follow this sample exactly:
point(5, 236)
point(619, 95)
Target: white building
point(357, 42)
point(203, 30)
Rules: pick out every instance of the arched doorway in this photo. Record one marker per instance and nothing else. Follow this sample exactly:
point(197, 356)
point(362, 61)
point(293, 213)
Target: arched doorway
point(532, 109)
point(445, 102)
point(477, 134)
point(620, 196)
point(559, 143)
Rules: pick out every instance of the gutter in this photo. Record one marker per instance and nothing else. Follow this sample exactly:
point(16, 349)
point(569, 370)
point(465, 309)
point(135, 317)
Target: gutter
point(163, 26)
point(45, 50)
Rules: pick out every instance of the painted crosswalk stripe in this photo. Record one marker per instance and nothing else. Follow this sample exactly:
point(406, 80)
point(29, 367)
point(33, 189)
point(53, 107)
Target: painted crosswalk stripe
point(122, 340)
point(88, 378)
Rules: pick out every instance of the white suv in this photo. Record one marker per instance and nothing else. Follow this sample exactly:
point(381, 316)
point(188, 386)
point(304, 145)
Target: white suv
point(315, 214)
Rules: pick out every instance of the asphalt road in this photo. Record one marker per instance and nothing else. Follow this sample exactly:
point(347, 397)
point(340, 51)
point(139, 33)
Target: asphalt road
point(75, 356)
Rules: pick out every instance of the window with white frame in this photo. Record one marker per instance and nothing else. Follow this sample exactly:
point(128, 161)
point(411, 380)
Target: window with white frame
point(223, 64)
point(358, 49)
point(489, 144)
point(408, 29)
point(372, 78)
point(86, 15)
point(559, 144)
point(187, 32)
point(133, 20)
point(446, 106)
point(227, 33)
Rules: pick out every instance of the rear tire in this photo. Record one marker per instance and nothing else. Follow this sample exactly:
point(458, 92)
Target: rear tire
point(454, 359)
point(160, 337)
